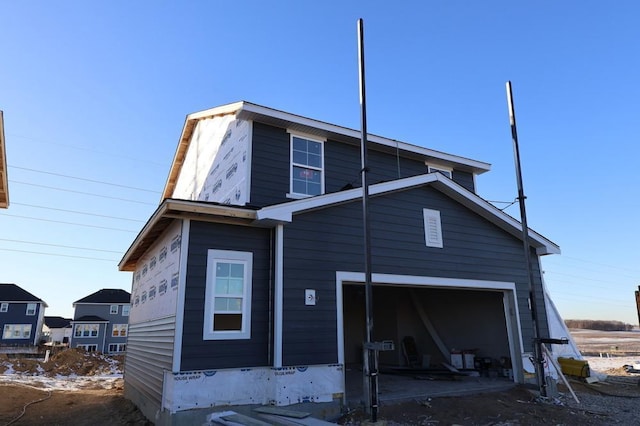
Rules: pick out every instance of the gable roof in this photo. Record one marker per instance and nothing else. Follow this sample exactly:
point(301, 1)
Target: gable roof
point(4, 185)
point(250, 111)
point(284, 212)
point(13, 293)
point(106, 295)
point(57, 322)
point(171, 209)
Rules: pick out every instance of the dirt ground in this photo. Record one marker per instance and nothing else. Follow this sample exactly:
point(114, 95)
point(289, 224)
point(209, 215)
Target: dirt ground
point(518, 406)
point(610, 402)
point(88, 407)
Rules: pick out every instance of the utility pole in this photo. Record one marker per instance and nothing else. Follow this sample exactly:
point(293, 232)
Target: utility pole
point(539, 355)
point(638, 303)
point(370, 363)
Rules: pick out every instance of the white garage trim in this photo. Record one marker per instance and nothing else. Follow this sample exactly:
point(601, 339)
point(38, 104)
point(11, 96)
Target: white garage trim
point(512, 316)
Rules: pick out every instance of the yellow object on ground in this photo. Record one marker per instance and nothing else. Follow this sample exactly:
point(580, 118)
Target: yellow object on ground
point(574, 367)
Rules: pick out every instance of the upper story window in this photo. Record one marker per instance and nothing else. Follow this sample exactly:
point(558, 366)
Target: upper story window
point(31, 308)
point(227, 312)
point(4, 307)
point(444, 170)
point(114, 309)
point(307, 166)
point(125, 310)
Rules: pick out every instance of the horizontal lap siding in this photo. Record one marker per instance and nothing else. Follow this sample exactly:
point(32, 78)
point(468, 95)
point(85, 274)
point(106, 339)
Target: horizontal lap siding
point(321, 242)
point(464, 179)
point(199, 354)
point(149, 354)
point(270, 166)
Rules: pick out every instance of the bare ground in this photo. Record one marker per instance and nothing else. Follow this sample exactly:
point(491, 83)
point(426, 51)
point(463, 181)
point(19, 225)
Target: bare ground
point(23, 405)
point(612, 402)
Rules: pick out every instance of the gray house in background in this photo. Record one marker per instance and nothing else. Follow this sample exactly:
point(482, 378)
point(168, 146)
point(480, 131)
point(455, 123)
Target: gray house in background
point(248, 278)
point(21, 318)
point(100, 321)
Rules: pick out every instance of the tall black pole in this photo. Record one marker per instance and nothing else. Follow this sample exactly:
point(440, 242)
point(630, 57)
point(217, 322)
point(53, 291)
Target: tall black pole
point(539, 356)
point(371, 374)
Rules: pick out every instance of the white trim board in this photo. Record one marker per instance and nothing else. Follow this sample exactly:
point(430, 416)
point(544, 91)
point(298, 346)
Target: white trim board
point(182, 285)
point(279, 296)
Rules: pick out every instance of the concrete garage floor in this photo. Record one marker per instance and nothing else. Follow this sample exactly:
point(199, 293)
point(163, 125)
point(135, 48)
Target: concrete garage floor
point(409, 386)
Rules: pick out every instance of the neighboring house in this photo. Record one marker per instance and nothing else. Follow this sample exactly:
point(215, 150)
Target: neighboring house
point(100, 321)
point(4, 183)
point(248, 278)
point(57, 331)
point(21, 317)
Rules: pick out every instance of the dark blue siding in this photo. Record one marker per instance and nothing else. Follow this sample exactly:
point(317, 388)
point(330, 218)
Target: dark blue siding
point(321, 242)
point(270, 166)
point(199, 354)
point(17, 314)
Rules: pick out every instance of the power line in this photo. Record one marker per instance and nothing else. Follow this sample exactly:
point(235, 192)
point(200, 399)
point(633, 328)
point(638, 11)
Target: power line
point(85, 179)
point(60, 255)
point(81, 192)
point(69, 223)
point(85, 149)
point(637, 271)
point(581, 278)
point(59, 245)
point(77, 212)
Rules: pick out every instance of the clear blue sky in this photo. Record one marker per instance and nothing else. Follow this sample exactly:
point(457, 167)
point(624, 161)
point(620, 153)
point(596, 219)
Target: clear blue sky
point(95, 95)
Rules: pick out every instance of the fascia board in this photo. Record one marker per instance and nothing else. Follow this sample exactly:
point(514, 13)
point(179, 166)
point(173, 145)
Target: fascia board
point(185, 140)
point(477, 166)
point(171, 206)
point(493, 214)
point(284, 212)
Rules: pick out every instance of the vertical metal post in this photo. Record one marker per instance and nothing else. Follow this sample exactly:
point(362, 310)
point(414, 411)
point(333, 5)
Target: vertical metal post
point(371, 372)
point(539, 355)
point(638, 303)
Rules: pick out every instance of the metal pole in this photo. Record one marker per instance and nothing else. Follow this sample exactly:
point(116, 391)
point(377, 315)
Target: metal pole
point(539, 355)
point(370, 372)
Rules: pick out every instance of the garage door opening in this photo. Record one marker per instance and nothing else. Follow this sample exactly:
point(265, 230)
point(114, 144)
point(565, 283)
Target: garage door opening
point(472, 329)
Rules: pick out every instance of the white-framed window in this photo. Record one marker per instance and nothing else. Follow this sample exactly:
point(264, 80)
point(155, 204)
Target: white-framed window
point(86, 330)
point(125, 310)
point(119, 330)
point(4, 307)
point(117, 347)
point(444, 170)
point(16, 331)
point(307, 167)
point(432, 228)
point(114, 310)
point(31, 309)
point(88, 348)
point(227, 309)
